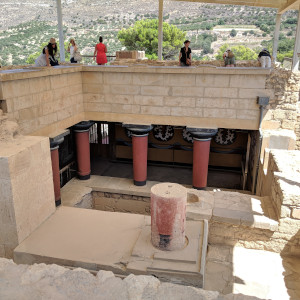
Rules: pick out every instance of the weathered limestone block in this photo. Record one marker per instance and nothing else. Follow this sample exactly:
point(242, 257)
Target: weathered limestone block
point(26, 185)
point(55, 282)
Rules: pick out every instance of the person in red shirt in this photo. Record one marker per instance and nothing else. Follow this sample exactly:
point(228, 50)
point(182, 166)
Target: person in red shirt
point(101, 51)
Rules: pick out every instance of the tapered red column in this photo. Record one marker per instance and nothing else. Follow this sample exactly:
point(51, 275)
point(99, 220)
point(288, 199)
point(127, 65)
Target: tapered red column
point(54, 146)
point(56, 177)
point(201, 149)
point(139, 135)
point(139, 153)
point(82, 139)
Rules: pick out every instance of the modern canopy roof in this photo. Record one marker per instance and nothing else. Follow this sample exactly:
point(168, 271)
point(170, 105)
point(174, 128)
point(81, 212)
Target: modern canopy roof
point(281, 5)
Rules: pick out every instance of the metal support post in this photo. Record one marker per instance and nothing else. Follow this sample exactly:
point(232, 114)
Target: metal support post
point(276, 36)
point(60, 31)
point(160, 28)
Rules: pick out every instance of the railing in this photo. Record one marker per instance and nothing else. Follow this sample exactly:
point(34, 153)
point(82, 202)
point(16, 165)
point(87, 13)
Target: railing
point(89, 59)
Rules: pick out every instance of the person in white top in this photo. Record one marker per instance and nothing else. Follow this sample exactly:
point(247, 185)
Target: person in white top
point(72, 48)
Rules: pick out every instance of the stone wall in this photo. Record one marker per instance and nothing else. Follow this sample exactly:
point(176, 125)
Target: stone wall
point(46, 100)
point(42, 98)
point(26, 185)
point(284, 106)
point(281, 182)
point(203, 97)
point(131, 58)
point(121, 203)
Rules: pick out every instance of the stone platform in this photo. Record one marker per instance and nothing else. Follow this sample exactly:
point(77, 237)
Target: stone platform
point(118, 242)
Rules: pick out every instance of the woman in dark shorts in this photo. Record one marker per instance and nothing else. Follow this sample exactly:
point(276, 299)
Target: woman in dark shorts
point(185, 55)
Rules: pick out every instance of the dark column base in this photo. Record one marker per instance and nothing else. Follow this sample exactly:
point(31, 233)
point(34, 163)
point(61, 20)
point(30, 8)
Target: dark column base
point(58, 202)
point(140, 183)
point(85, 177)
point(199, 188)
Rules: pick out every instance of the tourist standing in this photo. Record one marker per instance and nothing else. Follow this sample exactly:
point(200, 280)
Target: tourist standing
point(264, 57)
point(229, 58)
point(47, 58)
point(101, 51)
point(185, 55)
point(72, 48)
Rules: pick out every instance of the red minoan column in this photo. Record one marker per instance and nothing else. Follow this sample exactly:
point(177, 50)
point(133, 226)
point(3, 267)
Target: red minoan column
point(168, 206)
point(54, 146)
point(139, 151)
point(201, 149)
point(82, 139)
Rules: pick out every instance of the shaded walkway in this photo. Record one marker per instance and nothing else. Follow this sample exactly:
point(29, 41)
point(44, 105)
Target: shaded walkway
point(177, 174)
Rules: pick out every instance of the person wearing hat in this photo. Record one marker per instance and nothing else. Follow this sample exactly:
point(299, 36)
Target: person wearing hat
point(229, 58)
point(185, 55)
point(47, 57)
point(264, 57)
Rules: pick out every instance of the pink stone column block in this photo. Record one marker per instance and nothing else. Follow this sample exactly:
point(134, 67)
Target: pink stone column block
point(168, 219)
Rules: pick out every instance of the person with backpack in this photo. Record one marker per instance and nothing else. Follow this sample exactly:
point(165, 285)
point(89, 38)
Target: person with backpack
point(264, 58)
point(229, 58)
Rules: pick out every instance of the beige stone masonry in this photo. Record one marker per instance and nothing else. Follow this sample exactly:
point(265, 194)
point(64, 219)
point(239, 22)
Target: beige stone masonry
point(42, 97)
point(281, 181)
point(26, 189)
point(234, 218)
point(210, 96)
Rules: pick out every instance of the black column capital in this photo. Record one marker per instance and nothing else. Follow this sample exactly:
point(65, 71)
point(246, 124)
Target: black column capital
point(138, 130)
point(202, 134)
point(83, 126)
point(55, 142)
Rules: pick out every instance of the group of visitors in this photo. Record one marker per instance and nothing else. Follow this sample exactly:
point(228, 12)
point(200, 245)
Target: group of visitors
point(185, 57)
point(48, 55)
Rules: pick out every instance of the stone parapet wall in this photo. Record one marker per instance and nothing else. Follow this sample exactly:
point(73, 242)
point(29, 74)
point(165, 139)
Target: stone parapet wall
point(224, 98)
point(130, 58)
point(42, 98)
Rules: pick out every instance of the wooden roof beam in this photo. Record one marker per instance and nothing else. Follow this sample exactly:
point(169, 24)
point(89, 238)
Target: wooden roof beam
point(281, 5)
point(290, 4)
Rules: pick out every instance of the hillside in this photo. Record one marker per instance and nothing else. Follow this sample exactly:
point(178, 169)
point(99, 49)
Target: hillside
point(25, 26)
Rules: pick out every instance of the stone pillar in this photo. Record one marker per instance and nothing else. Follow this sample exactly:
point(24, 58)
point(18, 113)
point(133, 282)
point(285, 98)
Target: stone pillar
point(168, 206)
point(82, 139)
point(54, 146)
point(201, 149)
point(139, 151)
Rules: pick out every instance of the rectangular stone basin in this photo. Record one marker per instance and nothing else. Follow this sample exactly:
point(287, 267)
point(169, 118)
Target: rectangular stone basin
point(119, 242)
